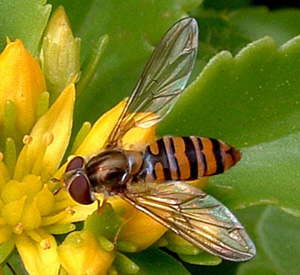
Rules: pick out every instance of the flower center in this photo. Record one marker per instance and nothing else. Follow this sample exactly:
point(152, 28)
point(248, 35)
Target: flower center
point(24, 204)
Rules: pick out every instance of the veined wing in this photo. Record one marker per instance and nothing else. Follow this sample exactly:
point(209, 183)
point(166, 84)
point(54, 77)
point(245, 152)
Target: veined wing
point(162, 81)
point(197, 217)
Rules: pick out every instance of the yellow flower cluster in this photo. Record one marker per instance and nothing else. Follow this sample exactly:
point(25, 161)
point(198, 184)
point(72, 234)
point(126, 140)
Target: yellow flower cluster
point(33, 208)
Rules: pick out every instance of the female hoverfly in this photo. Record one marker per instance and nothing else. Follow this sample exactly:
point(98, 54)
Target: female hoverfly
point(153, 180)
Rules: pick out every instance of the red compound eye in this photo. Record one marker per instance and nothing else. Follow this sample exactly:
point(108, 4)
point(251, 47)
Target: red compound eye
point(75, 163)
point(79, 190)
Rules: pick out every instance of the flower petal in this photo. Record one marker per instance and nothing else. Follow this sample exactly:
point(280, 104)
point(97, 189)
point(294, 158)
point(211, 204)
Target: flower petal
point(81, 253)
point(38, 258)
point(22, 82)
point(49, 139)
point(97, 137)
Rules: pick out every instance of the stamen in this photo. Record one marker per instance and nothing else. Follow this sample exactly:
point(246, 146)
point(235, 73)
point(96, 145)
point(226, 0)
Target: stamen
point(58, 229)
point(45, 244)
point(1, 156)
point(19, 228)
point(10, 155)
point(33, 234)
point(70, 210)
point(49, 220)
point(10, 117)
point(105, 243)
point(47, 138)
point(27, 139)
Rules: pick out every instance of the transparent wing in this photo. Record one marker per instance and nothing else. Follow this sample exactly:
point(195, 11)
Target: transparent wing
point(162, 81)
point(197, 217)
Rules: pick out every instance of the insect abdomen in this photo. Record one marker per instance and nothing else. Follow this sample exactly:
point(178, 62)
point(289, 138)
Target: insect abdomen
point(187, 158)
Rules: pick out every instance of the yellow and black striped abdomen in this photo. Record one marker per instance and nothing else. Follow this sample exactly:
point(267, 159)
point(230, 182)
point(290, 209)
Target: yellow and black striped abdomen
point(187, 158)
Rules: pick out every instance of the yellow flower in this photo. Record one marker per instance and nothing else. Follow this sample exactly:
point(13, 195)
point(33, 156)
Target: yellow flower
point(22, 83)
point(33, 210)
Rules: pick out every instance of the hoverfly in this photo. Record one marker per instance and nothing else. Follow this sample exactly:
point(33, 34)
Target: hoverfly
point(153, 180)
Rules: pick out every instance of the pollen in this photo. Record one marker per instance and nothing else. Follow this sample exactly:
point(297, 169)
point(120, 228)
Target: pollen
point(45, 244)
point(48, 138)
point(19, 228)
point(27, 139)
point(70, 210)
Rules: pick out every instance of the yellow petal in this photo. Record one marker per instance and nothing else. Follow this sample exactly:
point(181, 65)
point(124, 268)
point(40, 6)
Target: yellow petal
point(139, 228)
point(31, 218)
point(138, 138)
point(4, 175)
point(12, 212)
point(81, 253)
point(95, 141)
point(5, 233)
point(22, 82)
point(45, 201)
point(49, 139)
point(38, 258)
point(97, 137)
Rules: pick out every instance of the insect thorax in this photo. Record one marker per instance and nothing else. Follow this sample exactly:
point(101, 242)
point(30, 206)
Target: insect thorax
point(109, 171)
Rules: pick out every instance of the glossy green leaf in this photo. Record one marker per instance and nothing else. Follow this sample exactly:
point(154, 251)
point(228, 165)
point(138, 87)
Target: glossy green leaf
point(257, 22)
point(106, 223)
point(278, 243)
point(155, 261)
point(226, 4)
point(25, 19)
point(255, 180)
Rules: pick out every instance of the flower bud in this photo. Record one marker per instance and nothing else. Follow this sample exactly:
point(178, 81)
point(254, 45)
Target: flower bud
point(81, 253)
point(59, 53)
point(22, 83)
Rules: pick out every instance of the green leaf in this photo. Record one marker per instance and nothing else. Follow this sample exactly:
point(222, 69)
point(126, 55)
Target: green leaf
point(258, 22)
point(278, 243)
point(106, 224)
point(226, 4)
point(5, 249)
point(25, 19)
point(155, 261)
point(268, 174)
point(245, 100)
point(228, 30)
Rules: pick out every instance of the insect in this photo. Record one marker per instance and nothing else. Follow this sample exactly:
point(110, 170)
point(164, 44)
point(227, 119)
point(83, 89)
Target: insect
point(153, 180)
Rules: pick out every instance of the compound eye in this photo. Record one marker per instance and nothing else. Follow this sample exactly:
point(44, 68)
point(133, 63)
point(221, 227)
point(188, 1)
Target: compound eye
point(75, 163)
point(79, 190)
